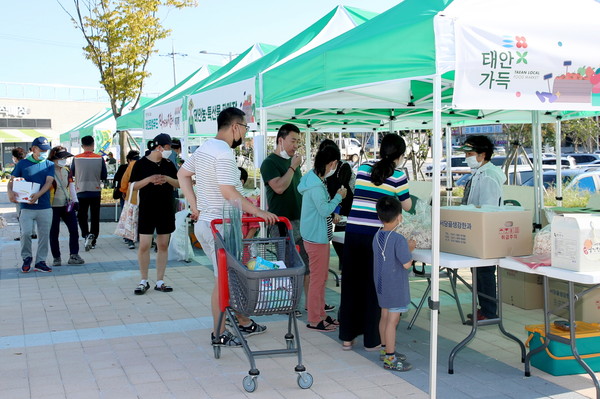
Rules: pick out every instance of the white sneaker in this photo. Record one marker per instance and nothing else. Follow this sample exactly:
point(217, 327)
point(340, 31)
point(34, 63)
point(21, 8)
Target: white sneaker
point(88, 242)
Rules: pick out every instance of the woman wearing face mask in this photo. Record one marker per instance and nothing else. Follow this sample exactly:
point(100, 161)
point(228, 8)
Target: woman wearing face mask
point(484, 188)
point(61, 193)
point(155, 177)
point(316, 208)
point(359, 308)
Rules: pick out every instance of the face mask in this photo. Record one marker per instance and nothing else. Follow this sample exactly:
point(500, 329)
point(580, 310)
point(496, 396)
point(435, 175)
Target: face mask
point(472, 162)
point(283, 153)
point(166, 153)
point(43, 155)
point(236, 143)
point(61, 162)
point(330, 173)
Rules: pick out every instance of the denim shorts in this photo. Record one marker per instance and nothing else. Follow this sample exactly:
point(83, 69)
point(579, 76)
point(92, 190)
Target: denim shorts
point(398, 310)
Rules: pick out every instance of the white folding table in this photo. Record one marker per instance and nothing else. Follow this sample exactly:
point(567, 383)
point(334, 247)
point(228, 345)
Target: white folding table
point(453, 261)
point(570, 277)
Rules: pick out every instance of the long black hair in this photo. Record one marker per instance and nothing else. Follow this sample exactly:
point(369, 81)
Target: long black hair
point(324, 156)
point(392, 148)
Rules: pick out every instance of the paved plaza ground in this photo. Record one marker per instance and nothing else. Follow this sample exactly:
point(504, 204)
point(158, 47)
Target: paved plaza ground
point(80, 333)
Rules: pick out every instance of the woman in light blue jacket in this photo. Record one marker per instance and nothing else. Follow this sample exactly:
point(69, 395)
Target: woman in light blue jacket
point(316, 208)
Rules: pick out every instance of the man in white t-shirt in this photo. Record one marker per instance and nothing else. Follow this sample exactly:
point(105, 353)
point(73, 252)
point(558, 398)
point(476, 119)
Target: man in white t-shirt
point(217, 181)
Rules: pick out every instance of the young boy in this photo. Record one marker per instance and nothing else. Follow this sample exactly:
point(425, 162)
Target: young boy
point(392, 257)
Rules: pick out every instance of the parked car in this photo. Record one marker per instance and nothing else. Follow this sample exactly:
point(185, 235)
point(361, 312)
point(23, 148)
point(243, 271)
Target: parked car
point(458, 165)
point(350, 148)
point(549, 176)
point(585, 159)
point(566, 162)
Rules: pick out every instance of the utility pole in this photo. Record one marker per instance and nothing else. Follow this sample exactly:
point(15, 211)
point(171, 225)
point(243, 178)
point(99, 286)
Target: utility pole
point(172, 54)
point(230, 54)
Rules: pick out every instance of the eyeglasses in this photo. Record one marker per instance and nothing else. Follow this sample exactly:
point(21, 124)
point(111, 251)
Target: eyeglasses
point(246, 126)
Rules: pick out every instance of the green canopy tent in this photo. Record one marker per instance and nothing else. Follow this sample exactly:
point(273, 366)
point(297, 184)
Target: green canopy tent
point(135, 119)
point(206, 75)
point(203, 102)
point(403, 63)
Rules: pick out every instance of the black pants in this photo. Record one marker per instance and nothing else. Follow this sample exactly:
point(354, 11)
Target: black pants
point(486, 284)
point(93, 206)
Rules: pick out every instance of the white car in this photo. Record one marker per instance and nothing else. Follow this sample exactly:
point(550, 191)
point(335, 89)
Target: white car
point(458, 165)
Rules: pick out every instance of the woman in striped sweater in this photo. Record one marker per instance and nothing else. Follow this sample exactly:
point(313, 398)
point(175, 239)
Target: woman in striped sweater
point(359, 310)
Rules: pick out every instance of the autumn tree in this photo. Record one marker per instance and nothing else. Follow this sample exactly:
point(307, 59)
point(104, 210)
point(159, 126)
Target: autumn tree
point(120, 37)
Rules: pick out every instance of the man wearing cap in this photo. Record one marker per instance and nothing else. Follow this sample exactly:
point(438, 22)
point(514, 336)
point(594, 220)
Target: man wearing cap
point(89, 170)
point(484, 188)
point(155, 177)
point(176, 147)
point(35, 168)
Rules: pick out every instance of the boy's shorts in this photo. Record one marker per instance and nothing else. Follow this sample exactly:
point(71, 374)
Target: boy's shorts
point(403, 309)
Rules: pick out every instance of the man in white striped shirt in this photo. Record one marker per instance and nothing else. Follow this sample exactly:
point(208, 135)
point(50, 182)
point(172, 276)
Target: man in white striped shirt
point(217, 181)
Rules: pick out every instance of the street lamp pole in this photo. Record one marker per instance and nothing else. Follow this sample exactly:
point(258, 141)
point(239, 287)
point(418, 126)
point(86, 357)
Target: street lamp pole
point(172, 54)
point(230, 54)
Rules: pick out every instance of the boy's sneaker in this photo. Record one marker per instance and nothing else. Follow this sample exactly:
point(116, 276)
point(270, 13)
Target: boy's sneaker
point(56, 262)
point(399, 356)
point(89, 242)
point(297, 313)
point(329, 308)
point(26, 264)
point(131, 245)
point(225, 339)
point(75, 259)
point(392, 363)
point(252, 329)
point(42, 267)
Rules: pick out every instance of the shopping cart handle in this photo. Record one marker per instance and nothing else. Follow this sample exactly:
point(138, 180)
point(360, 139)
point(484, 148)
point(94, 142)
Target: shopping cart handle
point(283, 219)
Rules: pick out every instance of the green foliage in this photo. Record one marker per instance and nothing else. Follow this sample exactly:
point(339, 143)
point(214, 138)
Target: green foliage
point(584, 132)
point(572, 198)
point(121, 35)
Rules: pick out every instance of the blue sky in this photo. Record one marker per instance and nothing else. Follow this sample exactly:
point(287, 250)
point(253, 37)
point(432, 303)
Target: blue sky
point(40, 44)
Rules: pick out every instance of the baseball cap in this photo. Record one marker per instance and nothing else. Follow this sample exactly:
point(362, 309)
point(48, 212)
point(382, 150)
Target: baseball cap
point(42, 143)
point(175, 143)
point(62, 155)
point(162, 139)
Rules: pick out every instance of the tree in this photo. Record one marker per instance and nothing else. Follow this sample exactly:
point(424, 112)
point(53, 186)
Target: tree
point(121, 36)
point(583, 132)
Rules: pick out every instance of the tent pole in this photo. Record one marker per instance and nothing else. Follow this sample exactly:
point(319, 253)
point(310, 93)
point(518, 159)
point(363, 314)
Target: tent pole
point(538, 187)
point(449, 180)
point(307, 146)
point(557, 151)
point(435, 231)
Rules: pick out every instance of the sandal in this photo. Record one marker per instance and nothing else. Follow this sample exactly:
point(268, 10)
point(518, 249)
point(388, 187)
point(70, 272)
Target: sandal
point(331, 321)
point(141, 289)
point(163, 288)
point(322, 327)
point(347, 345)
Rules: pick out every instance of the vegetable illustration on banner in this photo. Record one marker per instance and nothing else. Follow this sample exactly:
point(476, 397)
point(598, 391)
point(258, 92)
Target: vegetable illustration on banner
point(525, 70)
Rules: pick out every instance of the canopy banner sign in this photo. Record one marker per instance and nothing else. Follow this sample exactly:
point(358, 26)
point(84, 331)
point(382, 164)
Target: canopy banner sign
point(204, 107)
point(531, 66)
point(164, 118)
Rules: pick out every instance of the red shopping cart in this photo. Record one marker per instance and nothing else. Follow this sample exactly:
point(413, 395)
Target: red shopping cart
point(261, 292)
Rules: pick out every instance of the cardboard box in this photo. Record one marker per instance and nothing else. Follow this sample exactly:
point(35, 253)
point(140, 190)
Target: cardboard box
point(23, 189)
point(523, 290)
point(587, 308)
point(576, 242)
point(485, 233)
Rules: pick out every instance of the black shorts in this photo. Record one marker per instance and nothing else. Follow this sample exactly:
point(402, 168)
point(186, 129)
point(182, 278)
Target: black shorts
point(152, 221)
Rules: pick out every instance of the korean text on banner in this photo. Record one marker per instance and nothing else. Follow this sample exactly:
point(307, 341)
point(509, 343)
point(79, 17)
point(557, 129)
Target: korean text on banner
point(527, 67)
point(204, 107)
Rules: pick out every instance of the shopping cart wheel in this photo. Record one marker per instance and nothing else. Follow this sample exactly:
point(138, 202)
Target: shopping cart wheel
point(250, 383)
point(217, 351)
point(305, 380)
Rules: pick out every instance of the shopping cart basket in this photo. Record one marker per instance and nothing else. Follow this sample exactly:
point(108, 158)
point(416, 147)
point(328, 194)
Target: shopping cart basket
point(261, 292)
